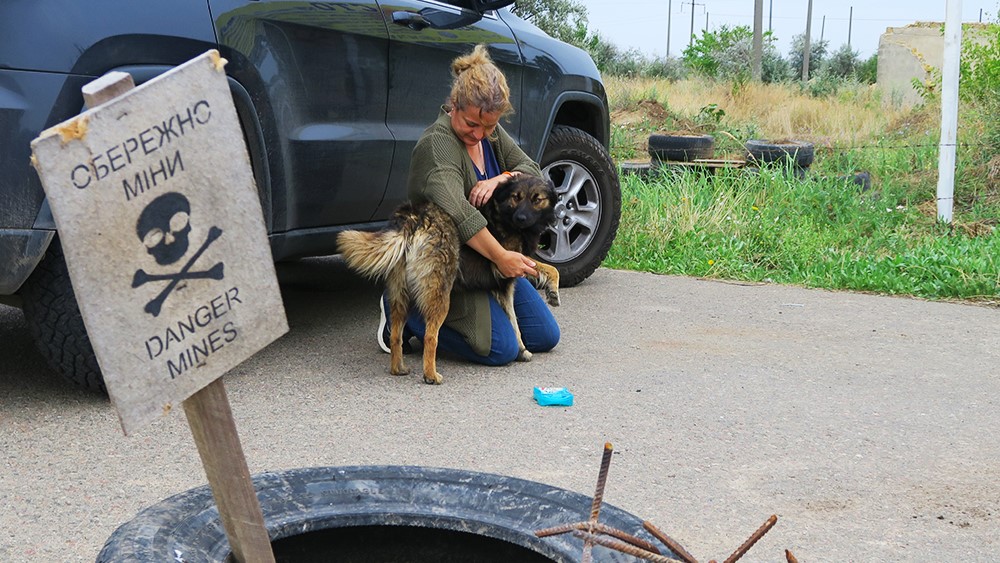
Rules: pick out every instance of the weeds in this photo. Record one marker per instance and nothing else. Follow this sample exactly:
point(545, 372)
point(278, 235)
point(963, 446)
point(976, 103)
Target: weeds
point(823, 232)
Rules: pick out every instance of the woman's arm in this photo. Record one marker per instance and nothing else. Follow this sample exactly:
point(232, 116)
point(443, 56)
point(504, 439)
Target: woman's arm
point(510, 263)
point(483, 190)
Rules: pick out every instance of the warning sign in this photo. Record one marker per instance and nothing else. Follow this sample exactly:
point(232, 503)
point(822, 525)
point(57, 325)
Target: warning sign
point(160, 221)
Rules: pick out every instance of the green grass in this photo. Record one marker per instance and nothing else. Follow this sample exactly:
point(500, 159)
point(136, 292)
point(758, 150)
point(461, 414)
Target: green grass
point(824, 231)
point(820, 232)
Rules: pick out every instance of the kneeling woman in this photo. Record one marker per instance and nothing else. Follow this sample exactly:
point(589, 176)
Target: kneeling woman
point(457, 163)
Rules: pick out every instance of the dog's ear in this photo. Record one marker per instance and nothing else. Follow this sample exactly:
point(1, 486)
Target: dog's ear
point(503, 190)
point(550, 190)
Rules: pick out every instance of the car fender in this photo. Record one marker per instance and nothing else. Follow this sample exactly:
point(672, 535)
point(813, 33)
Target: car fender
point(583, 110)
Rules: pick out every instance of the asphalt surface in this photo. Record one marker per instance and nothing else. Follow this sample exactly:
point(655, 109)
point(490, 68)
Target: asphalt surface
point(867, 424)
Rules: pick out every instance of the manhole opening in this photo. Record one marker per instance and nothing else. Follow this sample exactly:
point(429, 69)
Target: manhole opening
point(400, 544)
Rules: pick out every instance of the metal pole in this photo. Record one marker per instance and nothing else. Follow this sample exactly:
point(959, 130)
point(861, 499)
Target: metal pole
point(770, 12)
point(670, 10)
point(822, 29)
point(691, 40)
point(949, 109)
point(850, 23)
point(706, 22)
point(758, 39)
point(806, 48)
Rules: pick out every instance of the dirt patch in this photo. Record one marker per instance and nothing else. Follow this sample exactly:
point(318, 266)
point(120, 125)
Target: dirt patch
point(980, 228)
point(993, 169)
point(646, 111)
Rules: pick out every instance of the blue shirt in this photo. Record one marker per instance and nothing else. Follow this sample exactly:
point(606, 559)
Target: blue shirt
point(490, 160)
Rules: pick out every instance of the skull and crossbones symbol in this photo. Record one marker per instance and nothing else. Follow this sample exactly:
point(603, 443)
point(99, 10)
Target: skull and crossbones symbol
point(164, 227)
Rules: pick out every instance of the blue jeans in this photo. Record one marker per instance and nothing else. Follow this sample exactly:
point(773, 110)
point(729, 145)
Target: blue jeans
point(539, 329)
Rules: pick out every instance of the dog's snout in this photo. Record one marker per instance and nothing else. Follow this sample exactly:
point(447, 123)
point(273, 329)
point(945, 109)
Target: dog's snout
point(524, 219)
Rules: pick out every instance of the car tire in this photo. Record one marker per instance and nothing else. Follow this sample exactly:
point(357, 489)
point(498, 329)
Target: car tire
point(320, 507)
point(681, 148)
point(56, 324)
point(588, 208)
point(800, 153)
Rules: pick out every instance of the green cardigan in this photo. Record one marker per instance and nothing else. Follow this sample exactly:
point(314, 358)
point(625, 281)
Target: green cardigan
point(441, 171)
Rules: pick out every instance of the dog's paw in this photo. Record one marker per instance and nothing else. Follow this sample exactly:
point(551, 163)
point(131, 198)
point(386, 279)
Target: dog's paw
point(524, 356)
point(399, 370)
point(552, 297)
point(433, 379)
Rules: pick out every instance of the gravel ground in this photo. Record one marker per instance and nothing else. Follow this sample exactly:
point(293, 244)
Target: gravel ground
point(863, 422)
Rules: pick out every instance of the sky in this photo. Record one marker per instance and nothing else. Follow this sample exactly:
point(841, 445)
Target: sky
point(642, 24)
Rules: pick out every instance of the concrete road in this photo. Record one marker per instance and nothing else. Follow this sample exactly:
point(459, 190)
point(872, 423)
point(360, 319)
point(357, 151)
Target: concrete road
point(867, 424)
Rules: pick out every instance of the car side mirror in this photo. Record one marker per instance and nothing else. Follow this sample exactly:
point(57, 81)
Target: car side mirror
point(483, 6)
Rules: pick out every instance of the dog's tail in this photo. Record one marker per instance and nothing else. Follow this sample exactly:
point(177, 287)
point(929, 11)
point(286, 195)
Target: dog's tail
point(372, 255)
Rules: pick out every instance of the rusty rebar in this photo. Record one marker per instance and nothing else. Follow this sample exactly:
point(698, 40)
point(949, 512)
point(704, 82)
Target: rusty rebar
point(597, 527)
point(556, 530)
point(669, 542)
point(602, 480)
point(626, 537)
point(623, 547)
point(741, 550)
point(591, 529)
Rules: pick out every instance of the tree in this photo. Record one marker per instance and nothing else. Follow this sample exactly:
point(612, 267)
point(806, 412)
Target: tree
point(843, 63)
point(707, 53)
point(561, 19)
point(727, 53)
point(867, 70)
point(817, 53)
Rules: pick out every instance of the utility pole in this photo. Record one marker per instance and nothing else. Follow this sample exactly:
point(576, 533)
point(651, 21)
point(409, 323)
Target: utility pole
point(758, 39)
point(691, 39)
point(850, 23)
point(670, 10)
point(822, 29)
point(693, 4)
point(770, 12)
point(806, 48)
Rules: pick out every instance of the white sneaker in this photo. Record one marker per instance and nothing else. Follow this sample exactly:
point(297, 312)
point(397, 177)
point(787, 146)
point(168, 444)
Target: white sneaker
point(383, 327)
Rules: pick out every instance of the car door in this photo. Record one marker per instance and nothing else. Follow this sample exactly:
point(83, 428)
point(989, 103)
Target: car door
point(425, 36)
point(317, 74)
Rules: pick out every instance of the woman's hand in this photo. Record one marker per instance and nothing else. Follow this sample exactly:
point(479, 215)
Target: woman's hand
point(510, 263)
point(483, 190)
point(515, 265)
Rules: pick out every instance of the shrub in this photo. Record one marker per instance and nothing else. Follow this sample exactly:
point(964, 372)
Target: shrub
point(867, 70)
point(842, 63)
point(817, 52)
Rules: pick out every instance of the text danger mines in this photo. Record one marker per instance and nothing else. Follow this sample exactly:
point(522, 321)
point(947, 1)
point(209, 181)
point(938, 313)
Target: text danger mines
point(187, 343)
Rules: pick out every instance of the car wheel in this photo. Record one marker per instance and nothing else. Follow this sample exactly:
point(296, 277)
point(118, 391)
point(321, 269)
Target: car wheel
point(588, 208)
point(56, 324)
point(801, 153)
point(681, 148)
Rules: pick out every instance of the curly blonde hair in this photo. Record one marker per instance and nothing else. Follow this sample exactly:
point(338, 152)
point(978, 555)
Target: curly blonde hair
point(479, 83)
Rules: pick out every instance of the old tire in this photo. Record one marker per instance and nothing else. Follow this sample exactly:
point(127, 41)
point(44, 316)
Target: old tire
point(681, 148)
point(320, 508)
point(589, 206)
point(799, 153)
point(56, 324)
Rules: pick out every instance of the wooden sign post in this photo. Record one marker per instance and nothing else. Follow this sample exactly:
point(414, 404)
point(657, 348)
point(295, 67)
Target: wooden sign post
point(158, 215)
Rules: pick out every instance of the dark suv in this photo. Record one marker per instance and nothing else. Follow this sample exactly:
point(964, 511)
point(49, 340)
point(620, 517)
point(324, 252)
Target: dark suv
point(332, 97)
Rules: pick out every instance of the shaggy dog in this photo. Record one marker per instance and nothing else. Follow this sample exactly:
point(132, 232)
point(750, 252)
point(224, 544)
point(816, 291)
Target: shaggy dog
point(420, 257)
